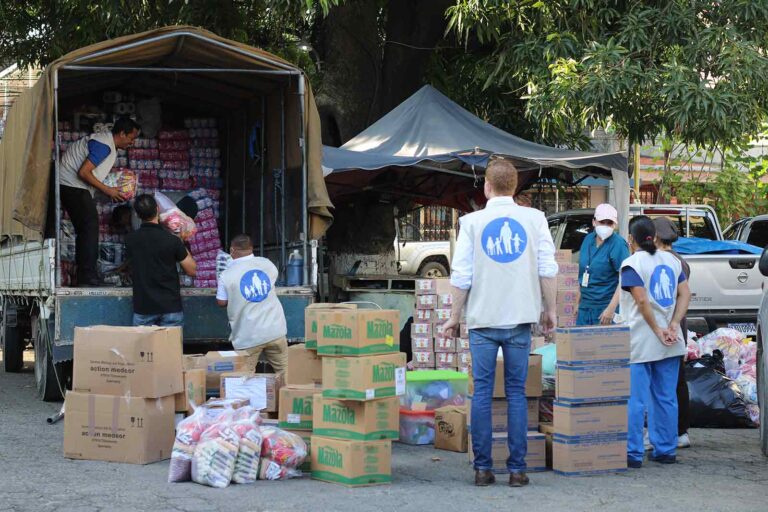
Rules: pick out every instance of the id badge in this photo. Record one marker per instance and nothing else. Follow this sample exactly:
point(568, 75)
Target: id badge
point(585, 279)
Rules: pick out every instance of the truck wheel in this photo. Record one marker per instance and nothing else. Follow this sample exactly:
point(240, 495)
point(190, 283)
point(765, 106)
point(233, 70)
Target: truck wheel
point(49, 385)
point(433, 270)
point(762, 393)
point(13, 342)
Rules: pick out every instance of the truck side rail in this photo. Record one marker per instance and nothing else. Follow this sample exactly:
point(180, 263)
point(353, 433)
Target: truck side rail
point(28, 268)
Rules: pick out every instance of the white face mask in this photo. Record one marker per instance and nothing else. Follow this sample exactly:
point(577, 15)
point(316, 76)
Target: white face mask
point(604, 232)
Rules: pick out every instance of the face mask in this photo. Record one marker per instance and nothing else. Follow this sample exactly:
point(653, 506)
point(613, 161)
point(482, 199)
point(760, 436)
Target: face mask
point(604, 232)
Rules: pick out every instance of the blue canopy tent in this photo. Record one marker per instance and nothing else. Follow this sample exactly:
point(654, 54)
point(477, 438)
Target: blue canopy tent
point(432, 150)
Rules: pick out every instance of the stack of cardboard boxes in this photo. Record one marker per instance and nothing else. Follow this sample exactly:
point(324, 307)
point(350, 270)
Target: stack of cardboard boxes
point(567, 289)
point(431, 348)
point(356, 416)
point(194, 377)
point(121, 407)
point(590, 409)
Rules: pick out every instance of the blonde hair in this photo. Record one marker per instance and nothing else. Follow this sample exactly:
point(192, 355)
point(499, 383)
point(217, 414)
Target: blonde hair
point(501, 175)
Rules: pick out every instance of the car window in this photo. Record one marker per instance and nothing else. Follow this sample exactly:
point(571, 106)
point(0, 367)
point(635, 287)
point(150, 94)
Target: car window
point(758, 234)
point(554, 226)
point(576, 229)
point(700, 226)
point(731, 233)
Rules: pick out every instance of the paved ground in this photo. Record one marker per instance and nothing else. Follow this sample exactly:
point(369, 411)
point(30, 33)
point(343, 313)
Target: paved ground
point(724, 471)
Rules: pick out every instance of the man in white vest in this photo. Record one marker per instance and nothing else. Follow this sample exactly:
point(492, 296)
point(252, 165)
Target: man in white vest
point(82, 170)
point(502, 288)
point(256, 317)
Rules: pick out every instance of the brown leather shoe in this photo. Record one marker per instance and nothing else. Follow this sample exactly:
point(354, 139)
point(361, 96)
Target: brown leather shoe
point(518, 479)
point(484, 478)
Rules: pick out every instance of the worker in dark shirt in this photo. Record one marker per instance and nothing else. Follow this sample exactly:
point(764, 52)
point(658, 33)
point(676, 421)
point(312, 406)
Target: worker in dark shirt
point(153, 254)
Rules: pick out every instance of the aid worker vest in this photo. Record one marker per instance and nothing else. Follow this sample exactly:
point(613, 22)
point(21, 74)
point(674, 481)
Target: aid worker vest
point(255, 313)
point(75, 156)
point(505, 290)
point(660, 273)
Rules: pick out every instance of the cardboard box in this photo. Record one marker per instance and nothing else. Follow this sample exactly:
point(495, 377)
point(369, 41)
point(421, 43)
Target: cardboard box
point(194, 362)
point(422, 343)
point(421, 330)
point(437, 330)
point(567, 321)
point(351, 463)
point(358, 332)
point(589, 457)
point(463, 330)
point(547, 430)
point(462, 344)
point(426, 301)
point(425, 287)
point(445, 344)
point(535, 459)
point(464, 369)
point(310, 320)
point(118, 428)
point(567, 310)
point(464, 359)
point(568, 297)
point(499, 414)
point(357, 421)
point(424, 359)
point(305, 436)
point(567, 282)
point(441, 316)
point(451, 429)
point(580, 384)
point(224, 361)
point(593, 345)
point(568, 269)
point(564, 256)
point(533, 386)
point(304, 366)
point(260, 389)
point(364, 378)
point(446, 360)
point(423, 316)
point(295, 409)
point(194, 390)
point(579, 420)
point(538, 342)
point(128, 361)
point(445, 301)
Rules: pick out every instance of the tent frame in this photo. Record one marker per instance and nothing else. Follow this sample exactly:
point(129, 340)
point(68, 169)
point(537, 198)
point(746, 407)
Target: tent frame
point(287, 71)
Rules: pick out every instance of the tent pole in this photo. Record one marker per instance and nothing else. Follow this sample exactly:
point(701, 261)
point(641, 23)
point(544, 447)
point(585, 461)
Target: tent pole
point(261, 180)
point(56, 173)
point(70, 67)
point(304, 198)
point(283, 259)
point(226, 181)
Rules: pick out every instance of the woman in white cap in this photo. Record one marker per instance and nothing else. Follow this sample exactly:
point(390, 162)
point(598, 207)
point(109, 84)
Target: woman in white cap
point(600, 258)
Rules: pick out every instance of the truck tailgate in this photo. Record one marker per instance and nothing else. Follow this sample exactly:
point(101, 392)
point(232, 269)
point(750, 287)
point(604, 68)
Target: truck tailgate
point(725, 282)
point(28, 268)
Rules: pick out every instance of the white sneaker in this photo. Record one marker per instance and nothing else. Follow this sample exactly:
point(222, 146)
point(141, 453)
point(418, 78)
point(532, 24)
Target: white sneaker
point(647, 442)
point(684, 441)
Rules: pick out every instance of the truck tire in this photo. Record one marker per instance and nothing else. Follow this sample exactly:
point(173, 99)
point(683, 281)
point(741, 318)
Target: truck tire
point(762, 393)
point(433, 270)
point(13, 342)
point(49, 381)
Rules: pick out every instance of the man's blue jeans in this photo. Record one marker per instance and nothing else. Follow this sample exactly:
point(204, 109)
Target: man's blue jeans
point(163, 320)
point(515, 345)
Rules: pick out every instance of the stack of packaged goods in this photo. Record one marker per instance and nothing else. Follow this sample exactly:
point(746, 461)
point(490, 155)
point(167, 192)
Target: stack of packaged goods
point(425, 393)
point(144, 159)
point(589, 434)
point(205, 158)
point(355, 418)
point(422, 334)
point(205, 244)
point(567, 289)
point(121, 407)
point(173, 151)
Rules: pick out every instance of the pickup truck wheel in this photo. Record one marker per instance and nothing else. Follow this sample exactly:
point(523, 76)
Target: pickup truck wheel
point(46, 376)
point(762, 393)
point(13, 343)
point(433, 270)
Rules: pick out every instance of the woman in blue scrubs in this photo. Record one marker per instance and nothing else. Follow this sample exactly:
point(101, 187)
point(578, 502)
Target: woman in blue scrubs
point(600, 258)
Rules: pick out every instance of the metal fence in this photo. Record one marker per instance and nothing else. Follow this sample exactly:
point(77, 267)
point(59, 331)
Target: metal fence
point(428, 223)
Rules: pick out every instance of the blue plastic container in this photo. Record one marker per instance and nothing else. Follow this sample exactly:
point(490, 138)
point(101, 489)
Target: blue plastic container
point(295, 269)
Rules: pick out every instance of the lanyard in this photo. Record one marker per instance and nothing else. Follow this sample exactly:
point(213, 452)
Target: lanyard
point(591, 255)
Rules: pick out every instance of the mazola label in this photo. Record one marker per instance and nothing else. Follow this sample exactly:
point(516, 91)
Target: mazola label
point(379, 329)
point(302, 406)
point(384, 372)
point(330, 457)
point(337, 332)
point(336, 414)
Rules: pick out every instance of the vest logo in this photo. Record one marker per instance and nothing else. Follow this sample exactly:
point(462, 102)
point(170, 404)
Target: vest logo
point(302, 406)
point(384, 372)
point(337, 332)
point(504, 240)
point(663, 286)
point(330, 457)
point(255, 286)
point(378, 329)
point(339, 415)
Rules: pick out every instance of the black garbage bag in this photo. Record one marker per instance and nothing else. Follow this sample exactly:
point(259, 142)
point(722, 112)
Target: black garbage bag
point(715, 400)
point(716, 361)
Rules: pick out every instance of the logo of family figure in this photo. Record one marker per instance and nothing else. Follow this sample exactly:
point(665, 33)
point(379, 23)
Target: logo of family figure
point(255, 286)
point(663, 286)
point(504, 240)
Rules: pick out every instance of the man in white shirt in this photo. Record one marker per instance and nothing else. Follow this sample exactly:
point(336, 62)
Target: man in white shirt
point(502, 289)
point(256, 317)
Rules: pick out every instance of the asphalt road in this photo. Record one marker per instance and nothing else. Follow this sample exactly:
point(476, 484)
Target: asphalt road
point(723, 471)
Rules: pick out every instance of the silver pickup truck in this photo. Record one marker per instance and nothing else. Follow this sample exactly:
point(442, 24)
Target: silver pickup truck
point(726, 289)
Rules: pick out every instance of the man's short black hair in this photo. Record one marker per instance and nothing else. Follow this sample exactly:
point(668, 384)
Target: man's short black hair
point(124, 125)
point(145, 206)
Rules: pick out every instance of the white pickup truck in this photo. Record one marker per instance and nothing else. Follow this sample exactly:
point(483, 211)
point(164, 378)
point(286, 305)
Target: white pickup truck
point(726, 288)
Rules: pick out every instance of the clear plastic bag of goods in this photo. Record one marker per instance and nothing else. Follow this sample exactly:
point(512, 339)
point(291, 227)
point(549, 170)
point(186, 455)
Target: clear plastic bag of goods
point(178, 223)
point(284, 448)
point(125, 180)
point(246, 426)
point(188, 434)
point(728, 341)
point(271, 470)
point(692, 350)
point(216, 453)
